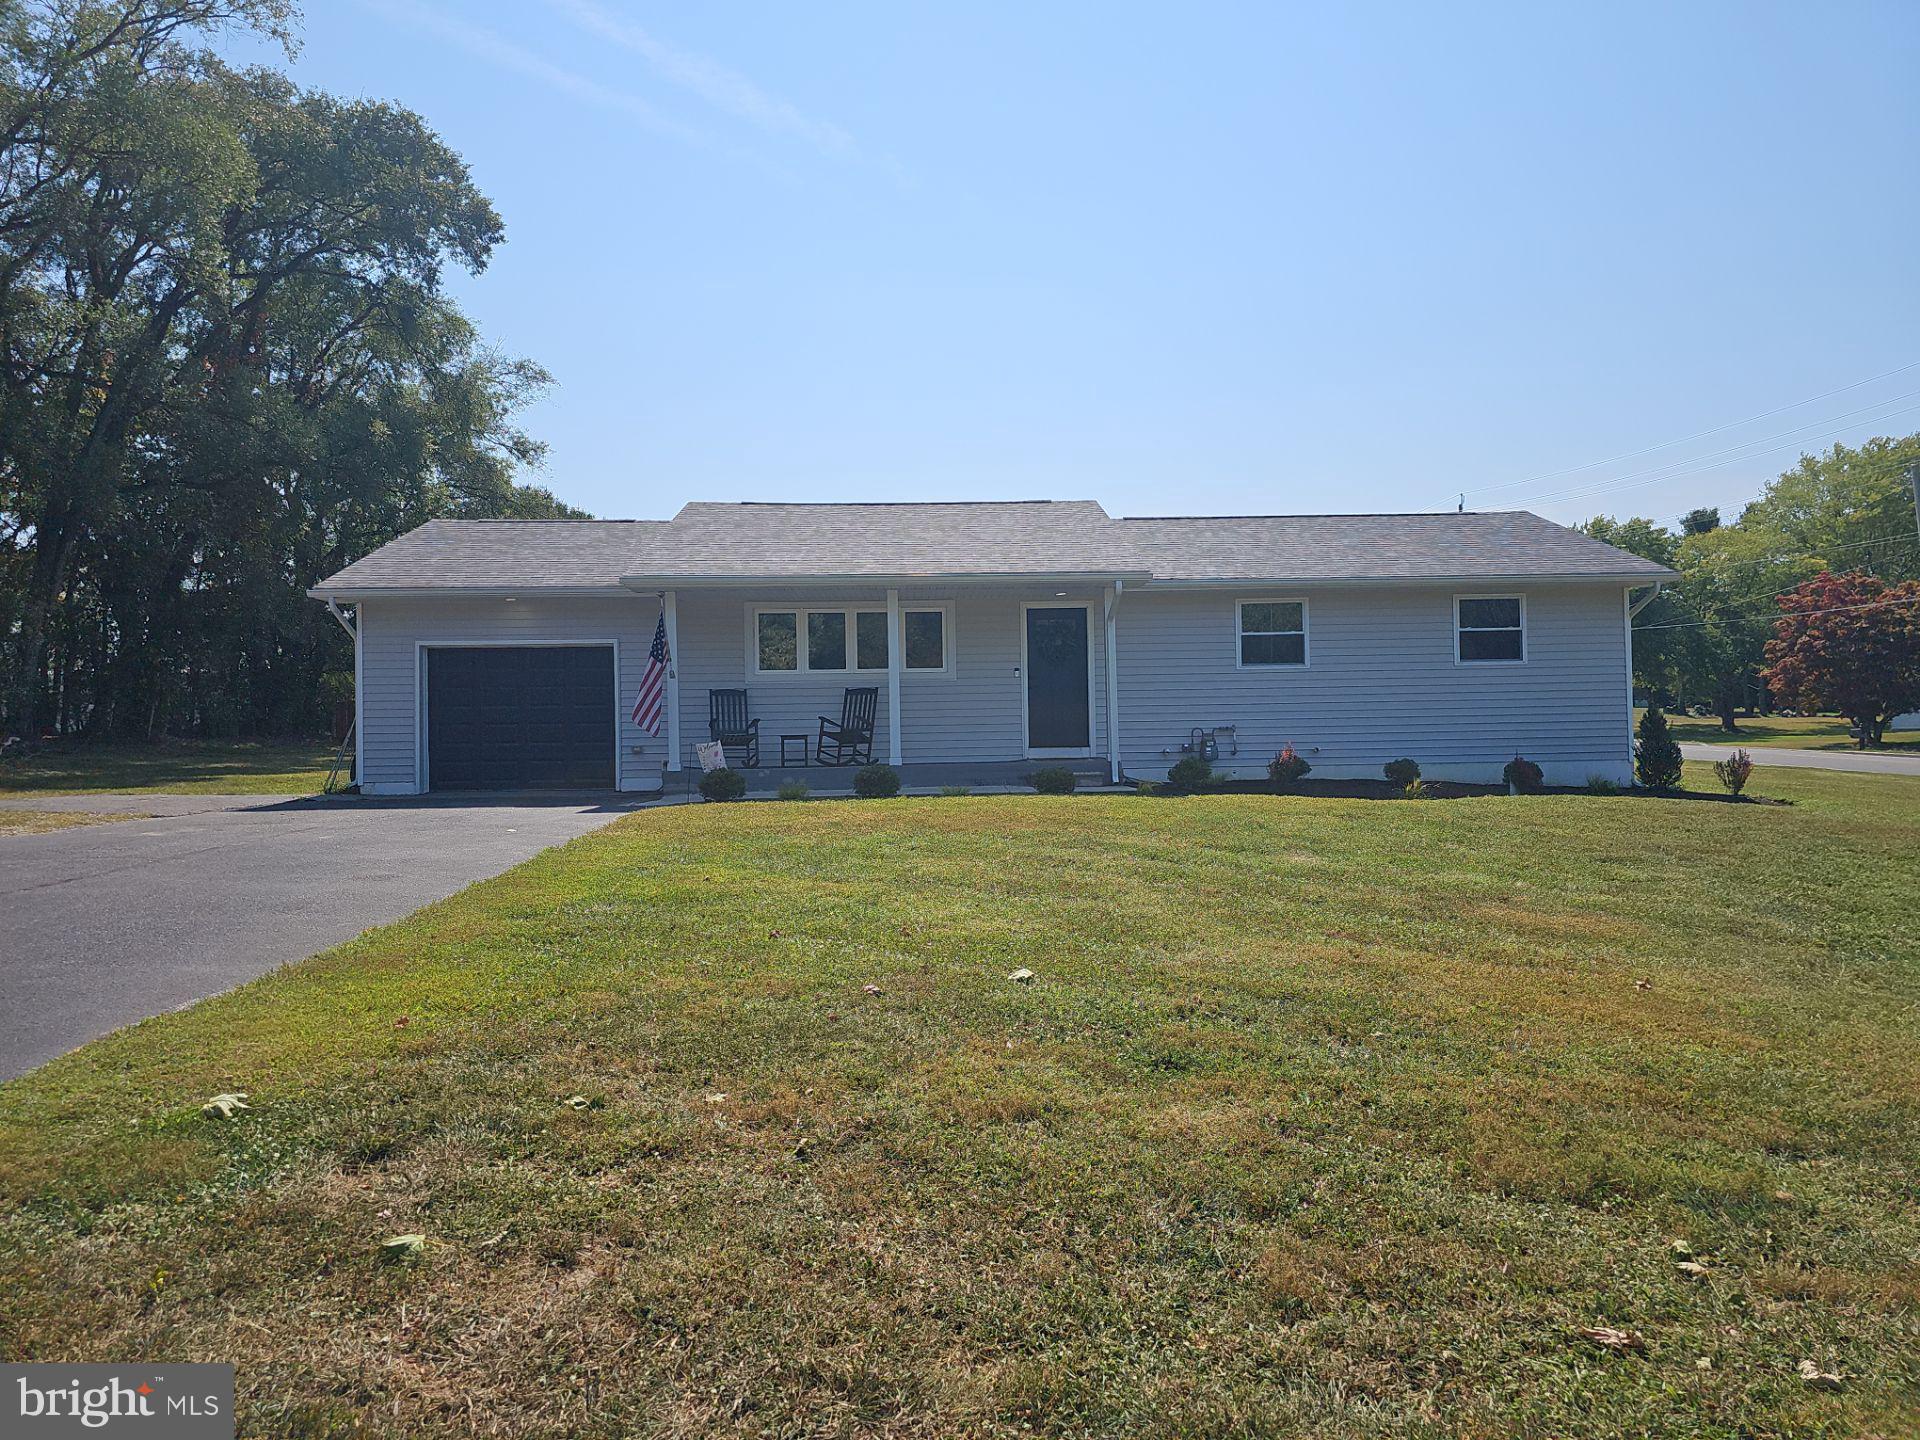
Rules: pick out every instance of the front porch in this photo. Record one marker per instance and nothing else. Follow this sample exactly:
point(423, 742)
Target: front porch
point(927, 778)
point(977, 682)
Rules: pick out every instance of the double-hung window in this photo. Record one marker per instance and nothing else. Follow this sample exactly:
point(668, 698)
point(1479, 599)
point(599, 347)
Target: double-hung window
point(837, 639)
point(1490, 628)
point(1273, 634)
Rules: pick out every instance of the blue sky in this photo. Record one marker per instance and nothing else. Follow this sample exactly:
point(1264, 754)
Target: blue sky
point(1213, 259)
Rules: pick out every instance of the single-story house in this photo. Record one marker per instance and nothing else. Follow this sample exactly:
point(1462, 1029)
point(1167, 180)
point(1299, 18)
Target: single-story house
point(510, 654)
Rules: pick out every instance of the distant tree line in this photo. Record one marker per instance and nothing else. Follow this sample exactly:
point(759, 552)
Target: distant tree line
point(1839, 525)
point(228, 369)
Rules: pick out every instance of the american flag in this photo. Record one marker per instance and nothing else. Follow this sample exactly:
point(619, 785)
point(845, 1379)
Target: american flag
point(648, 709)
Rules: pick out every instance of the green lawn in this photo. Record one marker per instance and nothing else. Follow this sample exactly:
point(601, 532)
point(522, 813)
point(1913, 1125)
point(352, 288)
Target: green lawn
point(40, 822)
point(1319, 1116)
point(1805, 732)
point(203, 767)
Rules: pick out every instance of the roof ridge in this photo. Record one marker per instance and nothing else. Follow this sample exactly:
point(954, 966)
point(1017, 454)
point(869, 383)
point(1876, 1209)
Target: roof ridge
point(1340, 515)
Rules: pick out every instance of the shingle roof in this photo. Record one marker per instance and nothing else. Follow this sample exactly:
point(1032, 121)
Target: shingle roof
point(1021, 537)
point(713, 541)
point(499, 554)
point(1507, 544)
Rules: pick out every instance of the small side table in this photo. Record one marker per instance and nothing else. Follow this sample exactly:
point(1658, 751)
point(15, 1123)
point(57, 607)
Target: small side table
point(801, 741)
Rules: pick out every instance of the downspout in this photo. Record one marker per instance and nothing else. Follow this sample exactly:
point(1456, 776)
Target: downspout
point(1634, 607)
point(359, 730)
point(1113, 683)
point(670, 612)
point(896, 642)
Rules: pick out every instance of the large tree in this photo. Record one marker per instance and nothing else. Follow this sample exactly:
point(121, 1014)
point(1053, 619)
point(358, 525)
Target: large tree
point(1849, 643)
point(228, 363)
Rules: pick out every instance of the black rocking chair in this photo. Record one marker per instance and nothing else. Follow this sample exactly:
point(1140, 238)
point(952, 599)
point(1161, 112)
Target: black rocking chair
point(728, 724)
point(849, 740)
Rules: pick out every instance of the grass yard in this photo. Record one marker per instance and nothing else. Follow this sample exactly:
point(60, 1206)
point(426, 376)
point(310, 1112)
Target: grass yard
point(1319, 1116)
point(1803, 732)
point(40, 822)
point(180, 767)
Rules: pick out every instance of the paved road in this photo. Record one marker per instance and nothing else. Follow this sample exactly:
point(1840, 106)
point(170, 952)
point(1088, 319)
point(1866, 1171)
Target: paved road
point(102, 925)
point(1870, 762)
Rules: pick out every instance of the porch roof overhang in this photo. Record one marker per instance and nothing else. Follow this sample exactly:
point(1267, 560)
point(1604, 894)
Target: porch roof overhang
point(707, 580)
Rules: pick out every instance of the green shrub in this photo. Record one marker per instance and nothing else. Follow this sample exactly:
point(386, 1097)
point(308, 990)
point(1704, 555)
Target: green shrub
point(1402, 771)
point(1601, 785)
point(1417, 789)
point(1191, 774)
point(953, 792)
point(1656, 758)
point(1289, 767)
point(1054, 780)
point(876, 782)
point(1734, 771)
point(1523, 775)
point(723, 785)
point(794, 790)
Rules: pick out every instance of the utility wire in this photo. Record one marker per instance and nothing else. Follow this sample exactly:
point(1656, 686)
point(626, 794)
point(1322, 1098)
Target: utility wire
point(1675, 469)
point(1697, 435)
point(1784, 614)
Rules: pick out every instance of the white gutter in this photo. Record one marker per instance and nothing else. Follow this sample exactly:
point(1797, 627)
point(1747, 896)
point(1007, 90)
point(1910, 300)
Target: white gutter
point(1113, 683)
point(1268, 582)
point(1634, 607)
point(476, 592)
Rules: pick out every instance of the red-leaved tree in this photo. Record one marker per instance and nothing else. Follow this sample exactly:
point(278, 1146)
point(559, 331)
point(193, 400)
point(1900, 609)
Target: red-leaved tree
point(1849, 643)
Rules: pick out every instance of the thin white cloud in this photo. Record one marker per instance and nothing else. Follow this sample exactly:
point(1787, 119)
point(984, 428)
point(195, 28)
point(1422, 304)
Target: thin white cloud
point(720, 87)
point(490, 45)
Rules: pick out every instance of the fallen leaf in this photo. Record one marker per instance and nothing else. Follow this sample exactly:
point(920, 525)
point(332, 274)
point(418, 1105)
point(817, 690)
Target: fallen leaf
point(1681, 1250)
point(1820, 1379)
point(402, 1247)
point(718, 1097)
point(871, 988)
point(402, 1023)
point(1643, 984)
point(1785, 1197)
point(226, 1105)
point(1691, 1267)
point(1609, 1338)
point(580, 1102)
point(1022, 976)
point(1705, 1362)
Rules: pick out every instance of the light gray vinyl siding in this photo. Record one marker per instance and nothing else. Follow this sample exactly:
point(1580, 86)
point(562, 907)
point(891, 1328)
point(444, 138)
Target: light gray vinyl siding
point(973, 714)
point(392, 630)
point(1382, 682)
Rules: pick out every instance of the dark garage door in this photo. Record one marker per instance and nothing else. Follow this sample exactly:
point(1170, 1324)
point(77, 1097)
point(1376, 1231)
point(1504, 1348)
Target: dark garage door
point(520, 717)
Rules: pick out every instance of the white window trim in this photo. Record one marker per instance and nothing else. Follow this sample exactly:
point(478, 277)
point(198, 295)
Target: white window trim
point(851, 609)
point(1458, 628)
point(1305, 632)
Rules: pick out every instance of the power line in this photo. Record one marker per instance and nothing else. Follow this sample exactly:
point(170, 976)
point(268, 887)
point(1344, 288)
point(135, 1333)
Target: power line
point(1675, 469)
point(1697, 435)
point(1783, 615)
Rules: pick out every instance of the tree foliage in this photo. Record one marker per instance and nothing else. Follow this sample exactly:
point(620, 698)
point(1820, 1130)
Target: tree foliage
point(229, 367)
point(1849, 643)
point(1703, 641)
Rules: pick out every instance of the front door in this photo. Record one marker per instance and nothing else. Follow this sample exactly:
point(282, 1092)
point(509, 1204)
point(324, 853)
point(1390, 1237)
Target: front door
point(1059, 715)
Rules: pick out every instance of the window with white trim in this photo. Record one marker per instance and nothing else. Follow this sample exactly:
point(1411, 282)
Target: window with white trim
point(1272, 633)
point(803, 640)
point(1490, 628)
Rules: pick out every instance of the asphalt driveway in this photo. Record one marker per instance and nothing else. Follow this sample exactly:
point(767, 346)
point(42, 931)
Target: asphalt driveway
point(102, 925)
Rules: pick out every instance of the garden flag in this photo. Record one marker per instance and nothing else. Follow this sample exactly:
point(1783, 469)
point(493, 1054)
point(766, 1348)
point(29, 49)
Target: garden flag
point(653, 685)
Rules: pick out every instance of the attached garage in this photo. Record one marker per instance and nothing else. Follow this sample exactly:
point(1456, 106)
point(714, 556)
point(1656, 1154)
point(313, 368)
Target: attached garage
point(520, 717)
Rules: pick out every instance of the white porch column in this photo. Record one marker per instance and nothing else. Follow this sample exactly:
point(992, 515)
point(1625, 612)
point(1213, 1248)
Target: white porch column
point(1113, 684)
point(895, 643)
point(670, 608)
